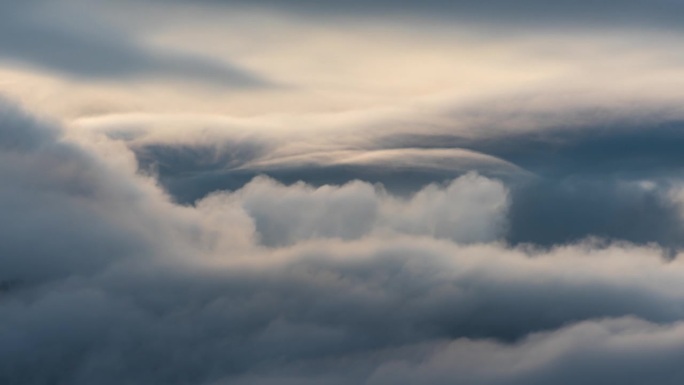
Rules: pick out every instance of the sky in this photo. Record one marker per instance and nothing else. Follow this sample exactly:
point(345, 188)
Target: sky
point(219, 192)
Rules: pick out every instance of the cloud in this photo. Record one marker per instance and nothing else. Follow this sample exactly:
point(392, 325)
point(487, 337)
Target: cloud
point(35, 35)
point(622, 350)
point(106, 281)
point(493, 196)
point(610, 180)
point(469, 209)
point(572, 173)
point(527, 13)
point(63, 206)
point(189, 172)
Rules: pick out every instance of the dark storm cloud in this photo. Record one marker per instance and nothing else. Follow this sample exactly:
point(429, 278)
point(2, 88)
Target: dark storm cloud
point(104, 281)
point(87, 49)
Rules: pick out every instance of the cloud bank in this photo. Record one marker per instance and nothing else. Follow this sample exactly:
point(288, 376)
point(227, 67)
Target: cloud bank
point(105, 280)
point(297, 192)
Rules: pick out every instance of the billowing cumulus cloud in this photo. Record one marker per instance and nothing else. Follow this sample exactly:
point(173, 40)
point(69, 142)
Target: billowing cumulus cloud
point(361, 192)
point(105, 280)
point(470, 209)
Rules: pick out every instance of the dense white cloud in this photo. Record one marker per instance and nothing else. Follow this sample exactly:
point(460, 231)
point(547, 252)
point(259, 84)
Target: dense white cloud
point(470, 209)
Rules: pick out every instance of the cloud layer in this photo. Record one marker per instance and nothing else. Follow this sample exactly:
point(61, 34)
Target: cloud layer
point(360, 192)
point(105, 280)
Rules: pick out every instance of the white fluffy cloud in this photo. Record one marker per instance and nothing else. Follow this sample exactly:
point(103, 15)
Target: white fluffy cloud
point(469, 209)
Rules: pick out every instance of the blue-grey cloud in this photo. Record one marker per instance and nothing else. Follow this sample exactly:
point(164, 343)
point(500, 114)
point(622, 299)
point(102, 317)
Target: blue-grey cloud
point(105, 281)
point(468, 252)
point(601, 179)
point(494, 14)
point(589, 181)
point(103, 52)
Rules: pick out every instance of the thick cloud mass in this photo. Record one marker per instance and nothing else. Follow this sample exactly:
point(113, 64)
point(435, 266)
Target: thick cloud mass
point(437, 192)
point(106, 281)
point(470, 209)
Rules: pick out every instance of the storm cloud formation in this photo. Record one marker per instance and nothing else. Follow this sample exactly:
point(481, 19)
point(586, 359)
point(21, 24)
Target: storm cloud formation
point(361, 192)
